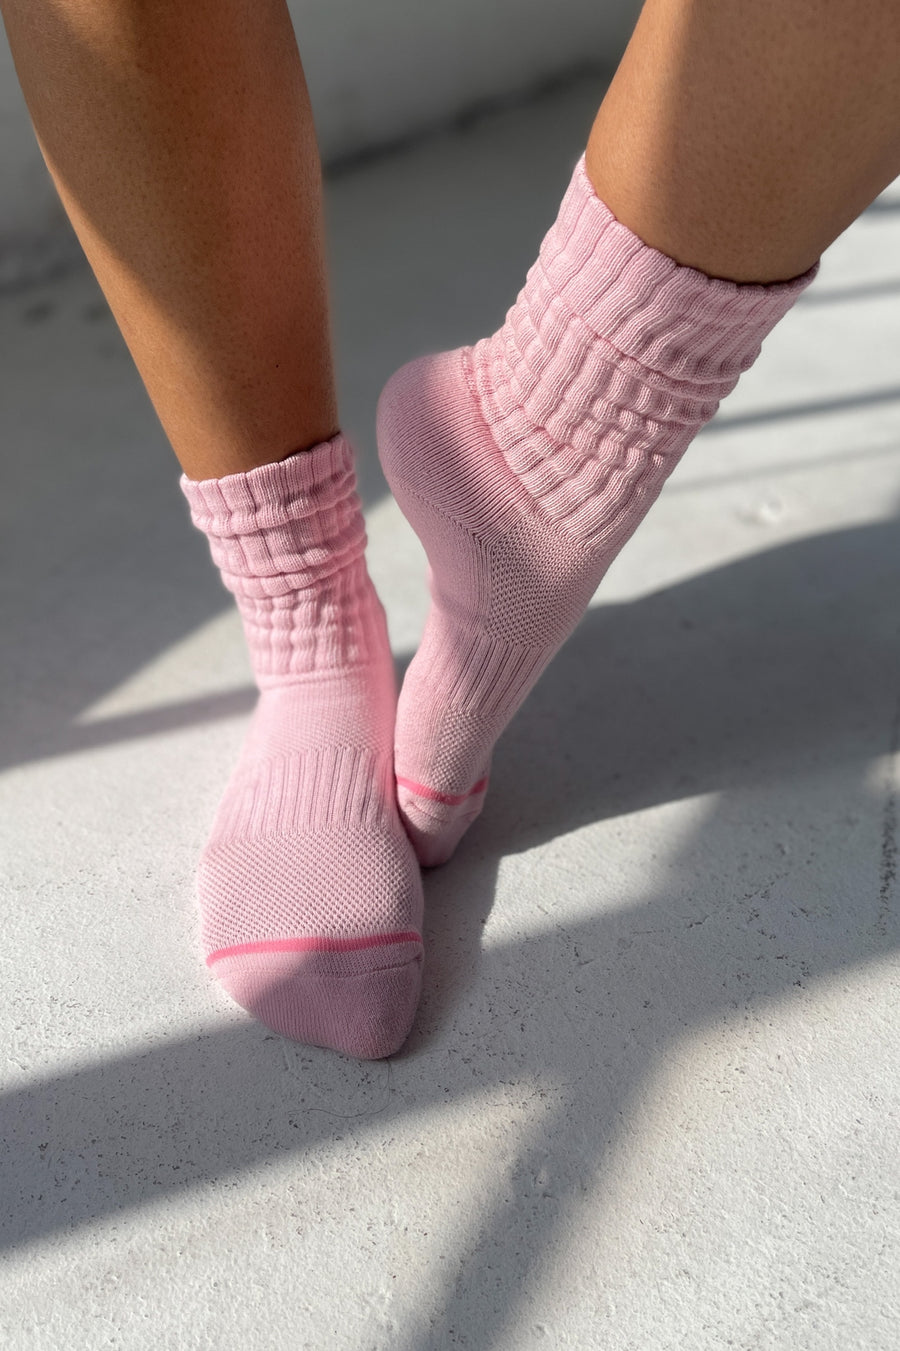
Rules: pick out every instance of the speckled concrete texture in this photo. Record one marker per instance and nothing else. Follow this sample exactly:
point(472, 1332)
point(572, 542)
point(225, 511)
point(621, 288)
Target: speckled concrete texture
point(651, 1098)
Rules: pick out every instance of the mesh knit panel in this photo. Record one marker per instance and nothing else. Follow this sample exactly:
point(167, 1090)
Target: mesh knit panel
point(538, 605)
point(312, 874)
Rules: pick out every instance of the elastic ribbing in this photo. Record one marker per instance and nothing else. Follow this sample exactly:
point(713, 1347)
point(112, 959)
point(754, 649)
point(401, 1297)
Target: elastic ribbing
point(613, 355)
point(711, 328)
point(289, 540)
point(300, 486)
point(283, 527)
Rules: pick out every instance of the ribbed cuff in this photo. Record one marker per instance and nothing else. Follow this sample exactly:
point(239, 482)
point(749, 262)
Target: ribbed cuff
point(281, 527)
point(671, 318)
point(304, 484)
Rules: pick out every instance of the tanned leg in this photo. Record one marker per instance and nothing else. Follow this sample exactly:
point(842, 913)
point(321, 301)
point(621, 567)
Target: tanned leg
point(742, 137)
point(181, 141)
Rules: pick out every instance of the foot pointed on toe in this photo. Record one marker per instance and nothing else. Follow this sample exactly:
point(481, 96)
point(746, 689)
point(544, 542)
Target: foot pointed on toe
point(524, 463)
point(435, 821)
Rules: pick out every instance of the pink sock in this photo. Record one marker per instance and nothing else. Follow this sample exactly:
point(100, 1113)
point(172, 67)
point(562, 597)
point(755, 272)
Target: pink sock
point(525, 462)
point(310, 894)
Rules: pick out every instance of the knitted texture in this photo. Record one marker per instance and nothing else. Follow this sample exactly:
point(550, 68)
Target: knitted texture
point(525, 462)
point(310, 894)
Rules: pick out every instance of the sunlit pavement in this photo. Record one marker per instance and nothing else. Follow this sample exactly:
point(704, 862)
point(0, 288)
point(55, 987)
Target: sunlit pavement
point(651, 1098)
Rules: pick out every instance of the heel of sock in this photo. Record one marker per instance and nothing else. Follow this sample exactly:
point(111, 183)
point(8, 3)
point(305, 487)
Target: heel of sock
point(435, 446)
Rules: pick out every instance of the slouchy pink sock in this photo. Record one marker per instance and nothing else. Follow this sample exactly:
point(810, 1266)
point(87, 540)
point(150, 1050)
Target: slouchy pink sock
point(310, 894)
point(525, 462)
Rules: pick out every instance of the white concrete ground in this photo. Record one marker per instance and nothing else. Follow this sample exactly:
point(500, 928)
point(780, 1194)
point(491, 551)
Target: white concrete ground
point(651, 1098)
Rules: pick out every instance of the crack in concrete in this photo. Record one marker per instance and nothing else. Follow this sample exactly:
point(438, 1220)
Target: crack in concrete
point(888, 870)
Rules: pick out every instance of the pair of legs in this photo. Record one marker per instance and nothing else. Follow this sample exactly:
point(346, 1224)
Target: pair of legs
point(738, 141)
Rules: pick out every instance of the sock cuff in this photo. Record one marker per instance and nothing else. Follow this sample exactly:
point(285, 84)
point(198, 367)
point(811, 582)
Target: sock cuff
point(282, 527)
point(671, 318)
point(289, 541)
point(298, 487)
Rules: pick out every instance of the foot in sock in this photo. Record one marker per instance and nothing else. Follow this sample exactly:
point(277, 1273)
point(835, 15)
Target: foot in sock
point(524, 464)
point(310, 893)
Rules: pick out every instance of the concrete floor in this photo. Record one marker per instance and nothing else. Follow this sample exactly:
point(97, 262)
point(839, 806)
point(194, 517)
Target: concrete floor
point(651, 1098)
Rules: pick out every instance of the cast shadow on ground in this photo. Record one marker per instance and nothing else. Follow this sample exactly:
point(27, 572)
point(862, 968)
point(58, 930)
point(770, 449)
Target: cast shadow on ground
point(746, 680)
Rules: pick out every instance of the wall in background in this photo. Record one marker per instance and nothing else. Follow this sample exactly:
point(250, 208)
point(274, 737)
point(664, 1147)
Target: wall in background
point(379, 71)
point(385, 69)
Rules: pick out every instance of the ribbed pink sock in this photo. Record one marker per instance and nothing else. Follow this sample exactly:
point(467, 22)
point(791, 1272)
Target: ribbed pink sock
point(310, 894)
point(525, 462)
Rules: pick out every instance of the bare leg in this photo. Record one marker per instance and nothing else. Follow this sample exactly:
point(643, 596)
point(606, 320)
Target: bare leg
point(181, 141)
point(743, 138)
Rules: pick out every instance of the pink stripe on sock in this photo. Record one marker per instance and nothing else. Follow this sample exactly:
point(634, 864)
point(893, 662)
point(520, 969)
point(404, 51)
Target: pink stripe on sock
point(315, 945)
point(451, 799)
